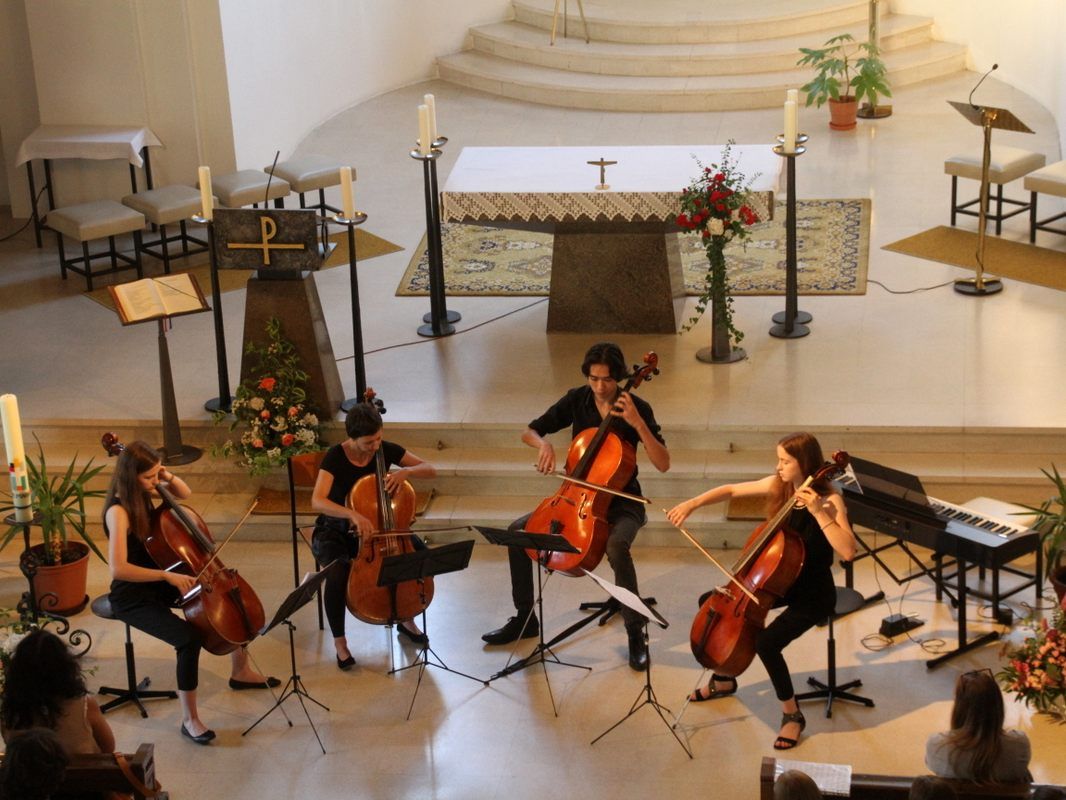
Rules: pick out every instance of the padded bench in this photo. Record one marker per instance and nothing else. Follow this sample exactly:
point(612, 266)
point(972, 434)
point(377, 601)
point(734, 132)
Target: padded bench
point(165, 206)
point(1007, 164)
point(1049, 180)
point(310, 173)
point(249, 187)
point(87, 222)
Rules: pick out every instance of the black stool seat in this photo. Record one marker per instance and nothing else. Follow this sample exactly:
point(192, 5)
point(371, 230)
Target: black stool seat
point(134, 692)
point(848, 600)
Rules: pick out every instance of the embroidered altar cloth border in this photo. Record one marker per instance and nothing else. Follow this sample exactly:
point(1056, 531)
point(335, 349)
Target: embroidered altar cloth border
point(555, 184)
point(96, 142)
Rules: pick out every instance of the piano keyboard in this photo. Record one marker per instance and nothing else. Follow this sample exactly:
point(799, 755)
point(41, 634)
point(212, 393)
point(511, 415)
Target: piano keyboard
point(993, 523)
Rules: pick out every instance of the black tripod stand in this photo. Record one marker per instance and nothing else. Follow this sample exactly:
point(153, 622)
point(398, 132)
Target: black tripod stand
point(647, 697)
point(419, 565)
point(297, 599)
point(542, 654)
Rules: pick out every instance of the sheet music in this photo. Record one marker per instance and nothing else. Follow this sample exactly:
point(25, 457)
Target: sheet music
point(832, 779)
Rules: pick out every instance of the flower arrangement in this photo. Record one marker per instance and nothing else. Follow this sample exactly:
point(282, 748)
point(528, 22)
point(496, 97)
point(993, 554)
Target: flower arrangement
point(1034, 671)
point(716, 205)
point(271, 408)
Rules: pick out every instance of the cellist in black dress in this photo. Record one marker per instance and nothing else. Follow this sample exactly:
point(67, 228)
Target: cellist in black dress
point(821, 520)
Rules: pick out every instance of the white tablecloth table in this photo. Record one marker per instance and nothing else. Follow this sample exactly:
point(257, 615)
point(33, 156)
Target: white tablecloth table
point(615, 262)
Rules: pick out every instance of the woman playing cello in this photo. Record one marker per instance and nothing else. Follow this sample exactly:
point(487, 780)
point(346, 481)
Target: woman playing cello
point(821, 521)
point(333, 538)
point(142, 594)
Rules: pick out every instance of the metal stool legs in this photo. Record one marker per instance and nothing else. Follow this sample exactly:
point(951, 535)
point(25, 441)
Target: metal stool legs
point(134, 691)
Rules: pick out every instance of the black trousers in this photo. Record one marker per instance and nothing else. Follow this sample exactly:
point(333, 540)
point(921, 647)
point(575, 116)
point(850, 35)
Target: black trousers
point(792, 623)
point(623, 531)
point(161, 622)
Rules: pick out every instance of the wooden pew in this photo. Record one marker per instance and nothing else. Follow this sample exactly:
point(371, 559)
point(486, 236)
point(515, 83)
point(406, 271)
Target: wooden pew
point(99, 772)
point(897, 787)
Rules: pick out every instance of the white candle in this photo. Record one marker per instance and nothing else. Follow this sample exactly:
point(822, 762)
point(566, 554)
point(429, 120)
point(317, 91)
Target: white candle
point(423, 130)
point(793, 95)
point(431, 104)
point(347, 193)
point(206, 199)
point(16, 458)
point(790, 126)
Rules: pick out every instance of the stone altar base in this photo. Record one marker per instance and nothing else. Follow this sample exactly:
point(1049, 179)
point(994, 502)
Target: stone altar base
point(615, 277)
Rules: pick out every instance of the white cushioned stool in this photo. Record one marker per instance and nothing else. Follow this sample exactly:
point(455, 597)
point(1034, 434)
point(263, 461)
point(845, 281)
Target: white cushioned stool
point(165, 206)
point(1007, 164)
point(310, 173)
point(248, 187)
point(1049, 180)
point(89, 221)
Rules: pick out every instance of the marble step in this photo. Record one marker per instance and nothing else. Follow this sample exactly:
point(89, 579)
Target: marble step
point(527, 44)
point(550, 86)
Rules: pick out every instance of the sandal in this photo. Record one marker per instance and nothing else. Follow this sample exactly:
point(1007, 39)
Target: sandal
point(783, 742)
point(699, 696)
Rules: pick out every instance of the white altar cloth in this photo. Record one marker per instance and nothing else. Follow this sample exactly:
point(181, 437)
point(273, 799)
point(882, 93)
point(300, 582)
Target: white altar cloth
point(96, 142)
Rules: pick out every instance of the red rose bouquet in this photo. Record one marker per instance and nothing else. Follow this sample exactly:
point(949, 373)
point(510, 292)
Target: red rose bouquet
point(1034, 671)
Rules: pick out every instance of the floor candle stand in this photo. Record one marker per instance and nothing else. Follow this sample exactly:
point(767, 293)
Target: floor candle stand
point(439, 321)
point(357, 218)
point(791, 323)
point(224, 401)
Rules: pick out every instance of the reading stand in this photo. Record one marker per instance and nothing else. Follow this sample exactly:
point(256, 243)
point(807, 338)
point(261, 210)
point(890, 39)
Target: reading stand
point(542, 543)
point(161, 299)
point(415, 566)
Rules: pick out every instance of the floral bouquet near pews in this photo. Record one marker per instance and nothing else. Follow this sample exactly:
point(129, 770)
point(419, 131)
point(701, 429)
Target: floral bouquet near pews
point(1034, 671)
point(270, 408)
point(716, 206)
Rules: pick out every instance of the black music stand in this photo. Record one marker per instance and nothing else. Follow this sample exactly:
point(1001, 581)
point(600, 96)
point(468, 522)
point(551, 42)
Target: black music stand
point(542, 543)
point(297, 599)
point(624, 597)
point(415, 566)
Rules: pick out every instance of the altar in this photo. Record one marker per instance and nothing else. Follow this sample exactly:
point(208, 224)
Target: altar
point(616, 264)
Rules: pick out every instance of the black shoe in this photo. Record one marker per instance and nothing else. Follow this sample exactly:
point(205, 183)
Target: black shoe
point(203, 738)
point(784, 742)
point(713, 693)
point(638, 650)
point(513, 630)
point(269, 683)
point(345, 664)
point(416, 638)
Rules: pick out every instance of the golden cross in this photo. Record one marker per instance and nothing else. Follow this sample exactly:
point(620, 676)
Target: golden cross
point(268, 228)
point(603, 168)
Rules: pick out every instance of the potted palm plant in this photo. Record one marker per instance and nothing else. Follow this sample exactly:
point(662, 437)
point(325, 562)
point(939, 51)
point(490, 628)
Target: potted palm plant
point(1051, 523)
point(846, 71)
point(58, 567)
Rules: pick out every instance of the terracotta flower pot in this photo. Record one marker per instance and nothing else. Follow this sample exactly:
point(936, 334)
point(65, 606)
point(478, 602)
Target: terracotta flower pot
point(1058, 583)
point(59, 589)
point(842, 113)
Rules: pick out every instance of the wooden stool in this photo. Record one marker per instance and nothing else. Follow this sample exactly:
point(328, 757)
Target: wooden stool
point(1007, 164)
point(248, 187)
point(309, 173)
point(134, 691)
point(1049, 180)
point(89, 221)
point(165, 206)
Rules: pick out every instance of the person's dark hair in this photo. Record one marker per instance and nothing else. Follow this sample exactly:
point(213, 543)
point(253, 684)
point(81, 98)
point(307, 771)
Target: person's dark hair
point(977, 722)
point(610, 355)
point(1048, 793)
point(41, 675)
point(137, 457)
point(796, 785)
point(362, 420)
point(803, 447)
point(930, 787)
point(34, 765)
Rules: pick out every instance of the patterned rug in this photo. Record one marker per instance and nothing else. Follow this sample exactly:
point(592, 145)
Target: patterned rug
point(833, 245)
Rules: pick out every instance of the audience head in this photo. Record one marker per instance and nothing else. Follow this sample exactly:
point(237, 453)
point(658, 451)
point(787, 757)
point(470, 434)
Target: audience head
point(1048, 793)
point(977, 721)
point(34, 765)
point(42, 673)
point(796, 785)
point(929, 787)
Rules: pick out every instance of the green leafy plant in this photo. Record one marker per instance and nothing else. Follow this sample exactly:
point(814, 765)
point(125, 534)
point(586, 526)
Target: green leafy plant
point(59, 502)
point(270, 408)
point(834, 63)
point(14, 625)
point(1051, 523)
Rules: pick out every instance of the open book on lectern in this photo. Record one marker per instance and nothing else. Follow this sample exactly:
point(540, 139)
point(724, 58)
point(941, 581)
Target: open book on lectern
point(155, 298)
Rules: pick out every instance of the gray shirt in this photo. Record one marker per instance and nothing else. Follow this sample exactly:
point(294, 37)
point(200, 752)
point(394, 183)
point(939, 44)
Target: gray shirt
point(1012, 766)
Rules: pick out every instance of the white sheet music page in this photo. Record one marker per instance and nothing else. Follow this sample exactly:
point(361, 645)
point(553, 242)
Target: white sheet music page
point(832, 779)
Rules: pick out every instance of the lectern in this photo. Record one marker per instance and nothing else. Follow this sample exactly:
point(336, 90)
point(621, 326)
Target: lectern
point(988, 118)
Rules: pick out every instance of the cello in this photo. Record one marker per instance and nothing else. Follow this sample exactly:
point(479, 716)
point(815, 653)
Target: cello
point(598, 457)
point(401, 602)
point(223, 607)
point(724, 629)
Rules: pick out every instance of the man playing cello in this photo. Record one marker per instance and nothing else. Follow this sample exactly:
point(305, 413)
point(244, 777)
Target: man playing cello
point(582, 408)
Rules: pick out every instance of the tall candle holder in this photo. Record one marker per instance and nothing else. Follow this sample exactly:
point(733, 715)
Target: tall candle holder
point(439, 320)
point(792, 323)
point(224, 401)
point(357, 218)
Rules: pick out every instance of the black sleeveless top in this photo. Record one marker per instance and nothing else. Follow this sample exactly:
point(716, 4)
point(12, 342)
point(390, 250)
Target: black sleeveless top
point(814, 592)
point(129, 594)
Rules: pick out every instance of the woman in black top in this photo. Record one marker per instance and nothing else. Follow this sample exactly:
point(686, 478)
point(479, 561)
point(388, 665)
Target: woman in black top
point(336, 527)
point(143, 595)
point(821, 520)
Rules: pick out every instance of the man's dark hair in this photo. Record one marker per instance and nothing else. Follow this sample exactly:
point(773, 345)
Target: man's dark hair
point(608, 354)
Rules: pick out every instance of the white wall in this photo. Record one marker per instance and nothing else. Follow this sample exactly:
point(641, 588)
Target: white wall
point(1026, 38)
point(18, 101)
point(293, 65)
